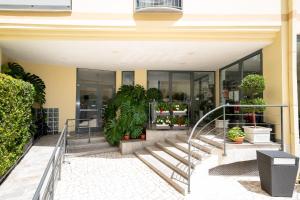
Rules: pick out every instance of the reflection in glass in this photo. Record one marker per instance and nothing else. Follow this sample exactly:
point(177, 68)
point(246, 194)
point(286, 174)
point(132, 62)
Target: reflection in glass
point(230, 81)
point(94, 89)
point(128, 78)
point(203, 97)
point(252, 66)
point(231, 77)
point(159, 80)
point(181, 86)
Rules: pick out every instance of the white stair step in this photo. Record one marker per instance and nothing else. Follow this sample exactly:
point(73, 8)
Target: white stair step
point(213, 140)
point(198, 144)
point(81, 141)
point(86, 152)
point(89, 145)
point(183, 146)
point(168, 174)
point(169, 160)
point(178, 154)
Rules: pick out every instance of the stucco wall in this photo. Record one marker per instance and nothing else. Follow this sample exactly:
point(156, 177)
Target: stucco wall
point(60, 88)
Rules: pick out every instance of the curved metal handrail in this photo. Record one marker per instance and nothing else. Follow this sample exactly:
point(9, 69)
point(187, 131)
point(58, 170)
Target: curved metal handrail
point(200, 120)
point(224, 135)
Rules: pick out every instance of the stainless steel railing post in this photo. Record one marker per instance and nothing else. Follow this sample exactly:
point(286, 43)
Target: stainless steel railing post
point(89, 131)
point(224, 130)
point(189, 169)
point(281, 127)
point(52, 179)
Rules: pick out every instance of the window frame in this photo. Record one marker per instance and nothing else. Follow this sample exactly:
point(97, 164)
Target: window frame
point(240, 63)
point(133, 73)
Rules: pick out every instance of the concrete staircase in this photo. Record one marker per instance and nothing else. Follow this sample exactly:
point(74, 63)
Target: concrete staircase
point(82, 146)
point(169, 159)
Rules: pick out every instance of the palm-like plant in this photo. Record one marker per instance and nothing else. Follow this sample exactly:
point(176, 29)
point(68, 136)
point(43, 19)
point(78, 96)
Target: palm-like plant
point(15, 70)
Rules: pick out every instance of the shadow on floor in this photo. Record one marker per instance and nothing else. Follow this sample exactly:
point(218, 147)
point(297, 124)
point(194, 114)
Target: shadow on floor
point(253, 186)
point(247, 168)
point(47, 140)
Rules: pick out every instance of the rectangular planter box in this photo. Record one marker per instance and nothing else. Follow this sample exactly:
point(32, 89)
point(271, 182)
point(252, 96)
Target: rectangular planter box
point(180, 112)
point(219, 123)
point(258, 134)
point(162, 113)
point(162, 126)
point(177, 127)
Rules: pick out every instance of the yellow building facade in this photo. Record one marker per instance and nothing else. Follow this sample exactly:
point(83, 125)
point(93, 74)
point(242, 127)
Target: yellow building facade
point(202, 36)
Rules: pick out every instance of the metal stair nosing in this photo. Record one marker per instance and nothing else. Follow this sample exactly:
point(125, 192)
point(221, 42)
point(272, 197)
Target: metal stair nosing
point(166, 159)
point(183, 158)
point(162, 170)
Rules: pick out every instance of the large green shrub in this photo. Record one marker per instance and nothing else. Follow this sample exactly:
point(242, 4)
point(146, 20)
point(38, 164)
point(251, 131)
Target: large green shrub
point(125, 114)
point(16, 71)
point(16, 99)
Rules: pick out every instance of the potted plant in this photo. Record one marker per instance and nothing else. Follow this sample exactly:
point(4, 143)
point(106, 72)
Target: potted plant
point(126, 137)
point(143, 136)
point(236, 134)
point(219, 120)
point(162, 122)
point(179, 122)
point(162, 108)
point(252, 87)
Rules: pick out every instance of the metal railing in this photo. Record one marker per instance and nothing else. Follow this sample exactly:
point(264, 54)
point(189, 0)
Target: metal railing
point(77, 126)
point(45, 189)
point(144, 4)
point(194, 133)
point(52, 173)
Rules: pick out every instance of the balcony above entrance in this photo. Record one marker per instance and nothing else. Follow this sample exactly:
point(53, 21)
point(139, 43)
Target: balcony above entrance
point(158, 5)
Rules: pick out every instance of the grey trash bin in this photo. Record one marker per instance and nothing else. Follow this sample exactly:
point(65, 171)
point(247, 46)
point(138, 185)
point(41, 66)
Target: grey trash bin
point(277, 172)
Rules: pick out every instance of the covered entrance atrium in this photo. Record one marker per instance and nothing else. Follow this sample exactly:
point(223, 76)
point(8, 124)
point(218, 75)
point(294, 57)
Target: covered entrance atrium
point(82, 76)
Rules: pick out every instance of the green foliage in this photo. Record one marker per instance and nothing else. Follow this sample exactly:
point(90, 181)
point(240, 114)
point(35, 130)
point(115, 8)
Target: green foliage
point(162, 106)
point(178, 106)
point(15, 70)
point(112, 132)
point(154, 94)
point(16, 99)
point(252, 87)
point(235, 132)
point(125, 114)
point(256, 101)
point(163, 120)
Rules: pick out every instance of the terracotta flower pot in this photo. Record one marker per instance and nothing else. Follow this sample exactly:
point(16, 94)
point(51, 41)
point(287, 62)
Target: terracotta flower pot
point(126, 137)
point(143, 137)
point(239, 140)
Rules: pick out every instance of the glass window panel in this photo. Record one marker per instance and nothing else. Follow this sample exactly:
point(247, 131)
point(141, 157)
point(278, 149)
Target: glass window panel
point(128, 78)
point(252, 66)
point(159, 80)
point(203, 97)
point(230, 81)
point(95, 88)
point(181, 86)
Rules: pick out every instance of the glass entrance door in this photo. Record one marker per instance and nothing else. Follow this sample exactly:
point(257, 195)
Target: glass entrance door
point(94, 90)
point(89, 107)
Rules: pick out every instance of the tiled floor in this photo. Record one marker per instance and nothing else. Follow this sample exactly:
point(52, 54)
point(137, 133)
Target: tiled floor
point(24, 179)
point(111, 176)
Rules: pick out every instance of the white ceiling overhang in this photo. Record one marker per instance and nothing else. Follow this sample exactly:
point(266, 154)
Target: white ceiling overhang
point(128, 55)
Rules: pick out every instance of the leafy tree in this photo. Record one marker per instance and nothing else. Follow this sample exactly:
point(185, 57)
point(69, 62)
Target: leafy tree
point(253, 87)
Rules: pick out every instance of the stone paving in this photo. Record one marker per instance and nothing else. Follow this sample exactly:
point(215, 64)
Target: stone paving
point(111, 176)
point(24, 179)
